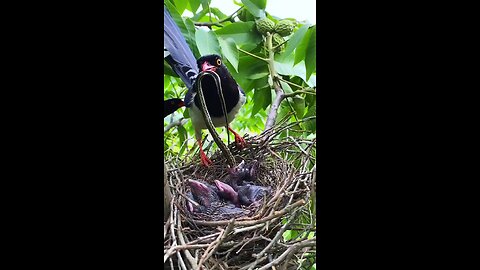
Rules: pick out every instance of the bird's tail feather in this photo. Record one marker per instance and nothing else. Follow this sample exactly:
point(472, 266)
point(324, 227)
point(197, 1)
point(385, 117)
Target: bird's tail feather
point(177, 53)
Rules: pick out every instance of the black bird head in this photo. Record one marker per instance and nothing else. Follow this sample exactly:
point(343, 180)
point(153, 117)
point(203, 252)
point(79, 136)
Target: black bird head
point(249, 194)
point(171, 105)
point(242, 174)
point(203, 193)
point(212, 62)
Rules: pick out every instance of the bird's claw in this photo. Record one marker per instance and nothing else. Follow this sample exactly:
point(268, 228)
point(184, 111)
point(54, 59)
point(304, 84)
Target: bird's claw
point(205, 160)
point(241, 143)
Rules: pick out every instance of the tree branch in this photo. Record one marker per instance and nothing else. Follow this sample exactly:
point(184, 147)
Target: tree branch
point(272, 115)
point(218, 23)
point(179, 122)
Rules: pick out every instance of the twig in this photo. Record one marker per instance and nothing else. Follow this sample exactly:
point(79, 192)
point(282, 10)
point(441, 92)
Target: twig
point(180, 122)
point(298, 92)
point(181, 238)
point(217, 23)
point(275, 214)
point(291, 83)
point(253, 55)
point(245, 229)
point(291, 250)
point(272, 115)
point(200, 239)
point(214, 245)
point(274, 240)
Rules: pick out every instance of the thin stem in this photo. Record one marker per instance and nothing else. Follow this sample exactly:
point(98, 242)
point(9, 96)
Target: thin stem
point(294, 84)
point(179, 122)
point(253, 55)
point(272, 115)
point(298, 92)
point(217, 23)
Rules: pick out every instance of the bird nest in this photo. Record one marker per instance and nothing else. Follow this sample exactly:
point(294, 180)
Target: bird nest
point(255, 239)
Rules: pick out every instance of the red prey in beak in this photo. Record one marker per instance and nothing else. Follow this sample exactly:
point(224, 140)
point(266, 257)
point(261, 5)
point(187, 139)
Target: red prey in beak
point(206, 66)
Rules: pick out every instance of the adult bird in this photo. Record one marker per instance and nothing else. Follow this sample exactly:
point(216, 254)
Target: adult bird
point(171, 105)
point(179, 56)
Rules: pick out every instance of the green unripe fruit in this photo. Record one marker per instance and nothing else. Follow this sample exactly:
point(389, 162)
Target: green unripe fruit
point(242, 15)
point(277, 40)
point(265, 25)
point(284, 27)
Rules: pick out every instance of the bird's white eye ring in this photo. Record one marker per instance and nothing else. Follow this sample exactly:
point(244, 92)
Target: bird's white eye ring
point(219, 62)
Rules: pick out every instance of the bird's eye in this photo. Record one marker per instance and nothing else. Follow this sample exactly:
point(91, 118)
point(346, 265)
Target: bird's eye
point(219, 62)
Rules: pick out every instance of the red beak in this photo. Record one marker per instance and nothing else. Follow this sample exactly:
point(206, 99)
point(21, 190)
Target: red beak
point(206, 66)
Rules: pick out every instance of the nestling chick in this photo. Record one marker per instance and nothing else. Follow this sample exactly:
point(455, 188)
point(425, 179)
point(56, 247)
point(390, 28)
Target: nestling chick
point(209, 200)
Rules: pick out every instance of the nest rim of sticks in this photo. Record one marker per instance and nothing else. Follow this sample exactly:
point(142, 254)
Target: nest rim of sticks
point(254, 239)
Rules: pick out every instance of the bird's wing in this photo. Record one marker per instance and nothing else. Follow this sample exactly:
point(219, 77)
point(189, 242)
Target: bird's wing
point(176, 51)
point(241, 90)
point(189, 97)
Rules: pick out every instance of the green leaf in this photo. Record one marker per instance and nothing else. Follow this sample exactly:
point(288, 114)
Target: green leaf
point(193, 5)
point(166, 83)
point(282, 111)
point(300, 51)
point(248, 66)
point(199, 15)
point(191, 37)
point(311, 53)
point(310, 100)
point(286, 87)
point(287, 235)
point(186, 114)
point(311, 125)
point(230, 51)
point(243, 33)
point(260, 97)
point(181, 5)
point(205, 3)
point(267, 101)
point(261, 82)
point(298, 105)
point(284, 66)
point(256, 76)
point(207, 42)
point(295, 39)
point(182, 134)
point(256, 7)
point(167, 69)
point(220, 15)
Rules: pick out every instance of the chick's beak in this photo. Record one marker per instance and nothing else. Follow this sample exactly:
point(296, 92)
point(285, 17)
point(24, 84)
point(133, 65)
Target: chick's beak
point(196, 185)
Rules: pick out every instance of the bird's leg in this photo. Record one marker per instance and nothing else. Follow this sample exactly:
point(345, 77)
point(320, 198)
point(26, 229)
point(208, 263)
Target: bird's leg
point(238, 139)
point(205, 161)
